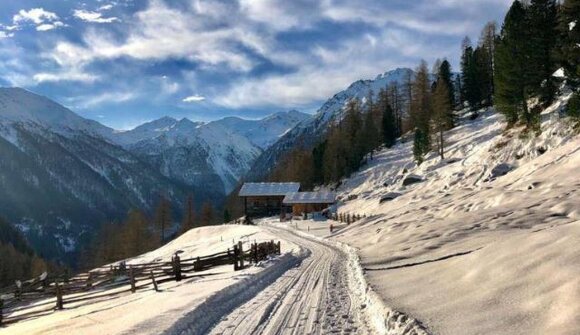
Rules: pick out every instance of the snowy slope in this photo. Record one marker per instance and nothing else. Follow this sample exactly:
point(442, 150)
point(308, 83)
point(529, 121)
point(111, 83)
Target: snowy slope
point(202, 298)
point(264, 132)
point(308, 132)
point(467, 250)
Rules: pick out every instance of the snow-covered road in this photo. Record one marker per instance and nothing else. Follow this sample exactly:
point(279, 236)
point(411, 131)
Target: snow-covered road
point(311, 298)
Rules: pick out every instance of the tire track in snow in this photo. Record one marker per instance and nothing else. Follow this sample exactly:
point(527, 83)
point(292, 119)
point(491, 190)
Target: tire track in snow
point(311, 298)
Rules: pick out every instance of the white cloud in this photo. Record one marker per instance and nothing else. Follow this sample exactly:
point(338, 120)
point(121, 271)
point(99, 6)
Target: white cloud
point(69, 75)
point(84, 102)
point(95, 17)
point(44, 20)
point(194, 98)
point(35, 15)
point(106, 7)
point(49, 26)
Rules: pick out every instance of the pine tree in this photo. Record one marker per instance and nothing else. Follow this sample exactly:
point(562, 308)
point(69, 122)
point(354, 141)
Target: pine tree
point(163, 218)
point(445, 78)
point(486, 61)
point(389, 122)
point(227, 216)
point(543, 24)
point(188, 216)
point(568, 53)
point(511, 71)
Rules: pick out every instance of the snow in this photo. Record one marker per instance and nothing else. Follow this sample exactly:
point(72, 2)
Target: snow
point(264, 189)
point(310, 198)
point(463, 254)
point(148, 312)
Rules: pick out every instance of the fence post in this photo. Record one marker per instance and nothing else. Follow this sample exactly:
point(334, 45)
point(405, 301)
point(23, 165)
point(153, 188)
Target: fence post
point(59, 302)
point(132, 279)
point(279, 248)
point(1, 306)
point(89, 281)
point(18, 292)
point(154, 281)
point(197, 264)
point(241, 254)
point(177, 267)
point(235, 258)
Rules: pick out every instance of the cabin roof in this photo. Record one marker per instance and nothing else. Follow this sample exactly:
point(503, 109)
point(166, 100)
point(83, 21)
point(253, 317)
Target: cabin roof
point(268, 189)
point(310, 198)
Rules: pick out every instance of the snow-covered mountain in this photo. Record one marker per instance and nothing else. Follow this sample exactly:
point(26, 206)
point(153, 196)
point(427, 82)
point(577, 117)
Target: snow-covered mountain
point(62, 175)
point(215, 154)
point(308, 132)
point(265, 132)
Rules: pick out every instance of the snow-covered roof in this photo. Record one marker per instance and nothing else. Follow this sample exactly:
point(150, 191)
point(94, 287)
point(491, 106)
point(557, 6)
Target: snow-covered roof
point(310, 198)
point(266, 189)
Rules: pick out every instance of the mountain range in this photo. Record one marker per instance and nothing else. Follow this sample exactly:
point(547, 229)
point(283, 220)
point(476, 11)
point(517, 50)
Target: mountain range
point(62, 175)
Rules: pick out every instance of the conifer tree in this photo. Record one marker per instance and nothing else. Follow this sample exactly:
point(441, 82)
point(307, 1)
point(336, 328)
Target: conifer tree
point(568, 50)
point(163, 218)
point(188, 215)
point(389, 122)
point(543, 24)
point(421, 111)
point(445, 78)
point(441, 110)
point(486, 61)
point(511, 72)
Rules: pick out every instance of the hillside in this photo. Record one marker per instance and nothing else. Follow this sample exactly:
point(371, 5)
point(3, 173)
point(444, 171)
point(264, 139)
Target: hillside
point(307, 133)
point(467, 249)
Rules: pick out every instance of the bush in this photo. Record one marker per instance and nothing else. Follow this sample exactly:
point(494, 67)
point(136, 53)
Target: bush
point(574, 106)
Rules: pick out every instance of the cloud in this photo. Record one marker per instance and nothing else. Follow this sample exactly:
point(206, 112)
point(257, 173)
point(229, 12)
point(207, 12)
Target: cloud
point(106, 7)
point(49, 26)
point(35, 15)
point(94, 17)
point(85, 102)
point(70, 75)
point(194, 98)
point(44, 20)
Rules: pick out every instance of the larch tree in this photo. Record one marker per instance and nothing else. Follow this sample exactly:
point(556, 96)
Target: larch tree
point(441, 108)
point(163, 218)
point(207, 214)
point(188, 221)
point(568, 53)
point(421, 111)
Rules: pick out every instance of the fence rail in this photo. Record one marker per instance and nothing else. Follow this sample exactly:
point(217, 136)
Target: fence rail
point(24, 299)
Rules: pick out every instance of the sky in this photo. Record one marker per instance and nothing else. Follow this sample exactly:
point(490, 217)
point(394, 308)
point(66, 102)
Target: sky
point(125, 62)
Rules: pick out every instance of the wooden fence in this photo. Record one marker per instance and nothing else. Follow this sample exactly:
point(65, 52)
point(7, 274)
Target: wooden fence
point(347, 218)
point(45, 294)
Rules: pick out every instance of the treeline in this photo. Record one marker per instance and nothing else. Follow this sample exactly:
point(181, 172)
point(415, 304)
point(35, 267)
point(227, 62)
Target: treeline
point(349, 142)
point(140, 232)
point(17, 259)
point(512, 69)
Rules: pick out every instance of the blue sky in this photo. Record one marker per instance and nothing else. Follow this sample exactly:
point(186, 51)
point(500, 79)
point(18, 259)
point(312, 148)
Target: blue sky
point(124, 62)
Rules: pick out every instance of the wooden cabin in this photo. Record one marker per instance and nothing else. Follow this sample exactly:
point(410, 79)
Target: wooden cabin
point(266, 199)
point(309, 202)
